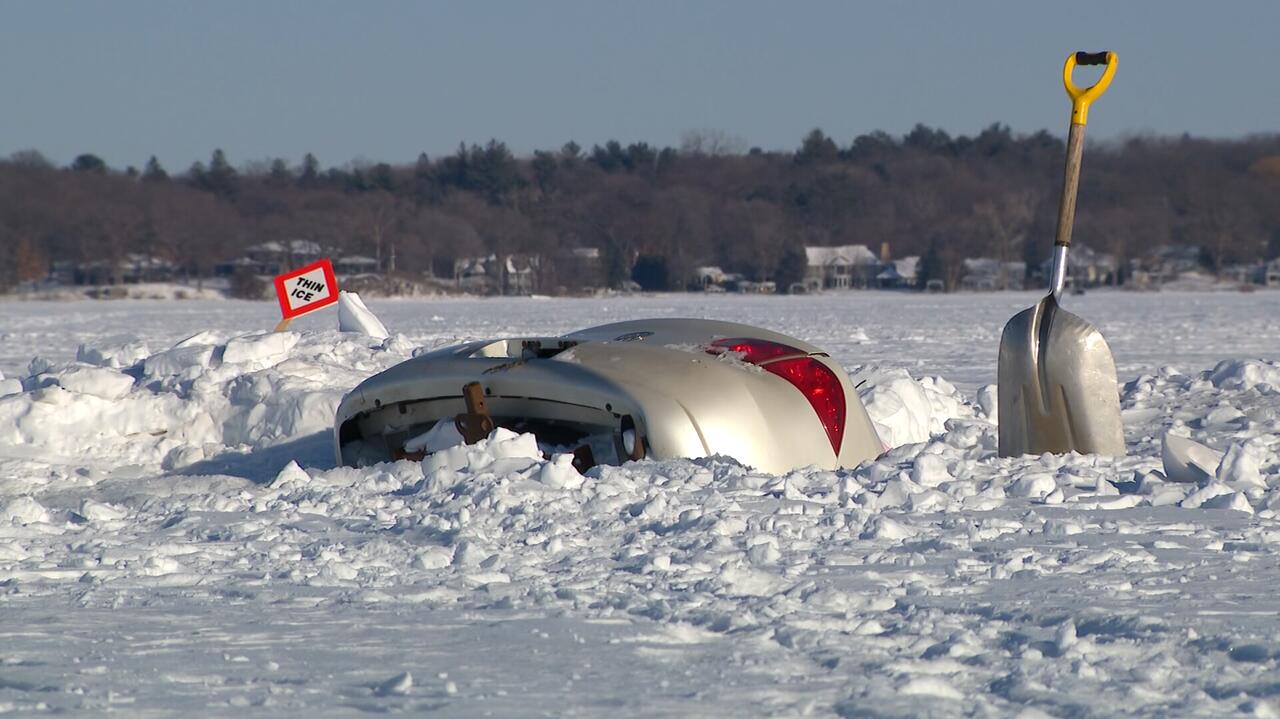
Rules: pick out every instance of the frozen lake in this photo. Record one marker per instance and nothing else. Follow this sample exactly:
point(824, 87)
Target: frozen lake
point(174, 538)
point(955, 336)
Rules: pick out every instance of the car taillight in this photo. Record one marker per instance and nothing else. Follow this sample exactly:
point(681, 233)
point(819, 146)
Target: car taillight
point(815, 380)
point(754, 351)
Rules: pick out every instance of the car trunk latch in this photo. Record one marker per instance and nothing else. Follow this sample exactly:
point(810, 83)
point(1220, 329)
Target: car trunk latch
point(475, 424)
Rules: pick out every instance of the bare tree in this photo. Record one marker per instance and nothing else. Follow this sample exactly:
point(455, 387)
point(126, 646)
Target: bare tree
point(1006, 219)
point(713, 143)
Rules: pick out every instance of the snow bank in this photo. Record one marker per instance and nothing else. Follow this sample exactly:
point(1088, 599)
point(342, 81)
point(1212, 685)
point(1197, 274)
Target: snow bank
point(206, 396)
point(1247, 374)
point(906, 409)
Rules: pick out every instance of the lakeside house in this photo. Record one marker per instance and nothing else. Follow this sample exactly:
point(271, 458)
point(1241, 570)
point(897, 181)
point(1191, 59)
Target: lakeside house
point(1085, 267)
point(506, 275)
point(272, 258)
point(900, 274)
point(840, 267)
point(986, 274)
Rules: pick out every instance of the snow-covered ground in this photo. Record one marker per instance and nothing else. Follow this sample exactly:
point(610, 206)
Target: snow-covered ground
point(174, 537)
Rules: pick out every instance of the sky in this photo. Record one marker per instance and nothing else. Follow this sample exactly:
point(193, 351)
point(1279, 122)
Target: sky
point(384, 81)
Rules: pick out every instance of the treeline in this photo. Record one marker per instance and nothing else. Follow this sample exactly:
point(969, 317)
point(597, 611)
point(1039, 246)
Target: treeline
point(665, 210)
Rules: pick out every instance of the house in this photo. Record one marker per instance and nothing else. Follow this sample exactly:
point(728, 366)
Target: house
point(750, 287)
point(355, 265)
point(1244, 274)
point(520, 274)
point(575, 269)
point(841, 267)
point(710, 276)
point(986, 274)
point(1271, 273)
point(900, 274)
point(133, 268)
point(1085, 267)
point(508, 275)
point(472, 274)
point(1169, 262)
point(272, 258)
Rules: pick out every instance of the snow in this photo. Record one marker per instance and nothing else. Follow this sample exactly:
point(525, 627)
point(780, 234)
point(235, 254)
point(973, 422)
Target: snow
point(175, 539)
point(354, 316)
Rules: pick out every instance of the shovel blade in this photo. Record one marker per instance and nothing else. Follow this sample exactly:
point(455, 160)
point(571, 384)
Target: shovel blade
point(1057, 386)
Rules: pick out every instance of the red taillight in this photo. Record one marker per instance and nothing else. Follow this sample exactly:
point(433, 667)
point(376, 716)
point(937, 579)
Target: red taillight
point(815, 380)
point(753, 351)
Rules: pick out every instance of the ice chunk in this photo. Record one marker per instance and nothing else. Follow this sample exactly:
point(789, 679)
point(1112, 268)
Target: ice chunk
point(1233, 500)
point(399, 685)
point(560, 473)
point(1245, 374)
point(930, 470)
point(113, 356)
point(96, 381)
point(353, 316)
point(263, 348)
point(1065, 637)
point(206, 337)
point(1242, 465)
point(291, 476)
point(1204, 494)
point(25, 510)
point(1034, 486)
point(886, 528)
point(988, 402)
point(1188, 461)
point(442, 435)
point(906, 410)
point(900, 410)
point(434, 558)
point(930, 687)
point(100, 512)
point(181, 359)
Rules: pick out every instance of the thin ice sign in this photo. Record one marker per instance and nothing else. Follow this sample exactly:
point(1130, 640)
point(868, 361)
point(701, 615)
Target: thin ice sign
point(306, 288)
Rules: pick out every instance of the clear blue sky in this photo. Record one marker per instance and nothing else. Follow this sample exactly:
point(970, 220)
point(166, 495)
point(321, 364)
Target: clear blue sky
point(385, 80)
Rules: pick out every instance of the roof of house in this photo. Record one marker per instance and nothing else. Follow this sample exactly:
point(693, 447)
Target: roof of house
point(839, 255)
point(711, 272)
point(1081, 256)
point(991, 266)
point(297, 247)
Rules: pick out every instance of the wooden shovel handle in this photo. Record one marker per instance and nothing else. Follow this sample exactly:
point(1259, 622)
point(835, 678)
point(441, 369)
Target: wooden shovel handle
point(1070, 185)
point(1081, 98)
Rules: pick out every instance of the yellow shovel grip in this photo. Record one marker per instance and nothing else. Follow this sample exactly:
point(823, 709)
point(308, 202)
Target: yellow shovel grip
point(1082, 97)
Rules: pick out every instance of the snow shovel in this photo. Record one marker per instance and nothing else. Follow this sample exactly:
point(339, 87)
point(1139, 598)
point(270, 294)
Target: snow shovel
point(1057, 379)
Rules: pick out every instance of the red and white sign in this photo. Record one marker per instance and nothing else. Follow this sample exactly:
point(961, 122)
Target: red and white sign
point(306, 288)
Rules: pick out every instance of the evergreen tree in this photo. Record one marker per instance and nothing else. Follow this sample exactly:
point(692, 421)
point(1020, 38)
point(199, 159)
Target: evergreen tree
point(310, 174)
point(570, 153)
point(279, 174)
point(381, 178)
point(221, 178)
point(89, 163)
point(816, 147)
point(544, 168)
point(153, 172)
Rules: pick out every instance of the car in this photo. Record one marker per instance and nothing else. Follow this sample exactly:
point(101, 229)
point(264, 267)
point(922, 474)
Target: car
point(656, 388)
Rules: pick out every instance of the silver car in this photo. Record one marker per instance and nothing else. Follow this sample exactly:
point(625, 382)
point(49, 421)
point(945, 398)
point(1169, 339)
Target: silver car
point(658, 388)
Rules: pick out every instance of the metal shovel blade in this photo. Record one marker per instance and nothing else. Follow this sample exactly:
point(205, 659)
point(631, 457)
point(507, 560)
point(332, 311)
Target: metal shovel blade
point(1057, 386)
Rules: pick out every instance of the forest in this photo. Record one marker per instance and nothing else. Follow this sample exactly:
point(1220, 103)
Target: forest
point(668, 210)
